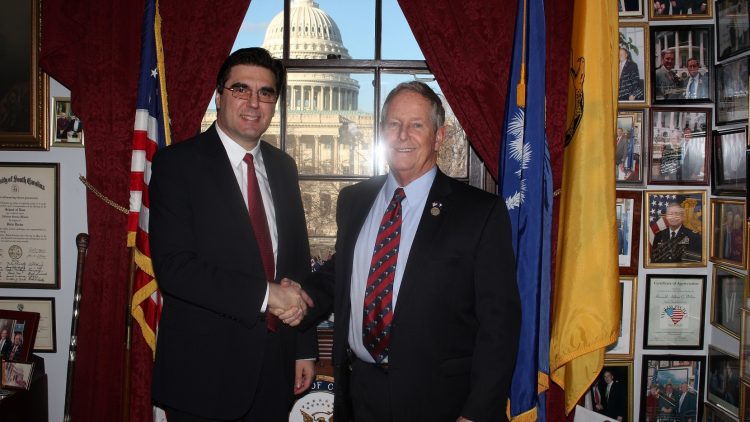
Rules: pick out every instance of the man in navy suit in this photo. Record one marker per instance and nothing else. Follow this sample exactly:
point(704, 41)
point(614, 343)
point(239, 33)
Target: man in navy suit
point(443, 347)
point(217, 263)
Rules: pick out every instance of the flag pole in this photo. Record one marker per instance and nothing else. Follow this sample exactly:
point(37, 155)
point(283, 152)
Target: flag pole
point(128, 337)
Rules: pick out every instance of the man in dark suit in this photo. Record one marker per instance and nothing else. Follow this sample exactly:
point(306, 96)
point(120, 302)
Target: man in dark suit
point(687, 404)
point(5, 344)
point(614, 401)
point(696, 84)
point(676, 243)
point(226, 221)
point(422, 284)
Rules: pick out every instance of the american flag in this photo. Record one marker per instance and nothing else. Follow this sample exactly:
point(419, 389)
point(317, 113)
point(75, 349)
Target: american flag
point(149, 135)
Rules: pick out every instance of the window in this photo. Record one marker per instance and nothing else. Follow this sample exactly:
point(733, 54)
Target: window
point(340, 68)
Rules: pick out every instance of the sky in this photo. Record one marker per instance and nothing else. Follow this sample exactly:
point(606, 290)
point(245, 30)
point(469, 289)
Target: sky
point(356, 21)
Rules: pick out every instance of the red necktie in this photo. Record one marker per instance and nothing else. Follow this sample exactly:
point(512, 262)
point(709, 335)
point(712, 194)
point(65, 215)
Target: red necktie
point(260, 227)
point(378, 304)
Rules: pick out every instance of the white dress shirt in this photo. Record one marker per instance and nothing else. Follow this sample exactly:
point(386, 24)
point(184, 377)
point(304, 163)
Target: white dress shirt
point(236, 155)
point(411, 212)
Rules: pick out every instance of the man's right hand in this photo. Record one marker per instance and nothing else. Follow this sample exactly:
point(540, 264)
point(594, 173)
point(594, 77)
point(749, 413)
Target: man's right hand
point(288, 301)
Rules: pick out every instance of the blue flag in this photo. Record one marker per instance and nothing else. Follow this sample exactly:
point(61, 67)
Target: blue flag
point(525, 182)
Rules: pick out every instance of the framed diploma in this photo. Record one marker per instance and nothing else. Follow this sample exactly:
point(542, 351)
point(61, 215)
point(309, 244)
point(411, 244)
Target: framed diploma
point(45, 307)
point(674, 311)
point(29, 234)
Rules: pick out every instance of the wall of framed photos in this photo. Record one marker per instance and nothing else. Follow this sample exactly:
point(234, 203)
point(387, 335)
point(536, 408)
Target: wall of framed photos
point(681, 168)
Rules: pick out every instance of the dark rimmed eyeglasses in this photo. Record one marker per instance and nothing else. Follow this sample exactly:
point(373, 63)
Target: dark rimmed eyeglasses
point(265, 95)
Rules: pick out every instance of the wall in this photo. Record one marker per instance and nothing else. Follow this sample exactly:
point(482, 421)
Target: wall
point(72, 221)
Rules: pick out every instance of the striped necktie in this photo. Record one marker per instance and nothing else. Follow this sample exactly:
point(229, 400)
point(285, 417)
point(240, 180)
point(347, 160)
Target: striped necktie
point(378, 304)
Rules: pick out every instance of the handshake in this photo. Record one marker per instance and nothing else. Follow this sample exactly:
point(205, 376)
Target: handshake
point(288, 301)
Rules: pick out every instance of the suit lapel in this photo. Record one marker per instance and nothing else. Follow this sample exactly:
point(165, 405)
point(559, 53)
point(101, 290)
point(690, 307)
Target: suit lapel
point(219, 169)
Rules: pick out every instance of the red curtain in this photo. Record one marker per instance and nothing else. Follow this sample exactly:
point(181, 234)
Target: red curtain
point(93, 48)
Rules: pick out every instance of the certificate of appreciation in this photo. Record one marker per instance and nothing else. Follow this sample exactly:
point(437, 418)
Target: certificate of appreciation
point(29, 226)
point(674, 312)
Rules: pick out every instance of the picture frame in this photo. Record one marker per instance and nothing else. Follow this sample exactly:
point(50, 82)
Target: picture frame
point(714, 414)
point(618, 402)
point(630, 9)
point(732, 24)
point(633, 73)
point(628, 217)
point(17, 375)
point(662, 385)
point(723, 380)
point(21, 329)
point(745, 346)
point(667, 211)
point(66, 129)
point(23, 86)
point(744, 401)
point(728, 232)
point(46, 333)
point(625, 344)
point(629, 153)
point(681, 59)
point(669, 10)
point(731, 91)
point(729, 290)
point(679, 146)
point(729, 162)
point(674, 307)
point(30, 243)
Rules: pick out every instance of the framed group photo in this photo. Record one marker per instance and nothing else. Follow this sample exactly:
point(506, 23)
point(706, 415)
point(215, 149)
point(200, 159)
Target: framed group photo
point(628, 214)
point(45, 337)
point(679, 149)
point(729, 162)
point(66, 127)
point(665, 380)
point(728, 233)
point(680, 9)
point(17, 334)
point(674, 233)
point(732, 25)
point(729, 292)
point(633, 74)
point(629, 147)
point(674, 311)
point(731, 91)
point(723, 380)
point(624, 346)
point(681, 58)
point(611, 394)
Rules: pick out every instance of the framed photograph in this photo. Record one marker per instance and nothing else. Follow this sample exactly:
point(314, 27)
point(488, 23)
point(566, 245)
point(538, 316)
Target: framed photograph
point(629, 147)
point(628, 212)
point(679, 150)
point(17, 334)
point(633, 73)
point(23, 86)
point(729, 162)
point(674, 236)
point(723, 380)
point(728, 234)
point(714, 414)
point(674, 311)
point(66, 127)
point(731, 91)
point(744, 402)
point(681, 58)
point(745, 346)
point(612, 393)
point(629, 9)
point(679, 9)
point(45, 307)
point(623, 348)
point(672, 392)
point(729, 292)
point(29, 238)
point(17, 374)
point(731, 27)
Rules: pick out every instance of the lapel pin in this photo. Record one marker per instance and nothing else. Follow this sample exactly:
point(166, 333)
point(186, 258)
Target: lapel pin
point(436, 207)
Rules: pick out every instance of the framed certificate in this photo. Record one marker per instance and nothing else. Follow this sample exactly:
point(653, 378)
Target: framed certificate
point(674, 311)
point(29, 235)
point(45, 329)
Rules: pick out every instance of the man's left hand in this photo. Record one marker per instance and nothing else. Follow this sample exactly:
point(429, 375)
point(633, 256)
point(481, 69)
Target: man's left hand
point(304, 372)
point(462, 419)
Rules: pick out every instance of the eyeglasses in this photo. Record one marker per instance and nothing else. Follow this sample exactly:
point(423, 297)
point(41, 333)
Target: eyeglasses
point(265, 95)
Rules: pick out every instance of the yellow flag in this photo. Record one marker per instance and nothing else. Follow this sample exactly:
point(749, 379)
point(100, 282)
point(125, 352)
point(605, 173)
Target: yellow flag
point(586, 304)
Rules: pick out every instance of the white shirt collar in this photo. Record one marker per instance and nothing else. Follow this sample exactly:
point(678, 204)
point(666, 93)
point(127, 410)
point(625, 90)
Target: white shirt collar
point(235, 152)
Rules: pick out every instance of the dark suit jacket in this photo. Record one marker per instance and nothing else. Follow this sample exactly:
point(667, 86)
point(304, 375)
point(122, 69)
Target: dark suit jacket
point(455, 329)
point(688, 407)
point(210, 271)
point(686, 247)
point(617, 403)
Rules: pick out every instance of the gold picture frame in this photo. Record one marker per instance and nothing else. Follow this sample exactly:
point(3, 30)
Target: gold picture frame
point(688, 249)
